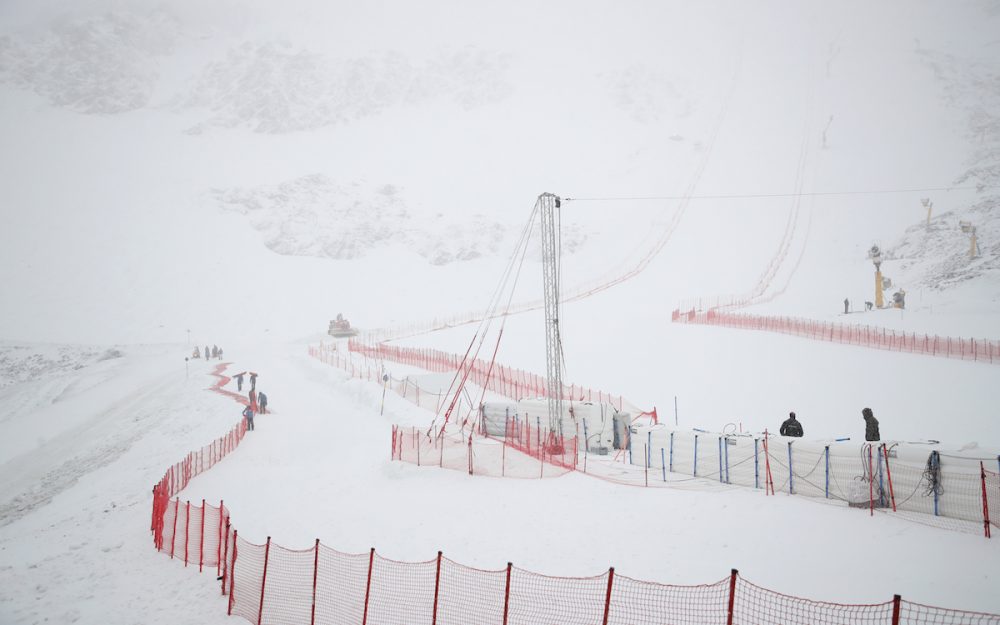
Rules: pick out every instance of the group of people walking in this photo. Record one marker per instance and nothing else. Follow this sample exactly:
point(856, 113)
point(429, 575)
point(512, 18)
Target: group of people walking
point(258, 400)
point(214, 353)
point(793, 427)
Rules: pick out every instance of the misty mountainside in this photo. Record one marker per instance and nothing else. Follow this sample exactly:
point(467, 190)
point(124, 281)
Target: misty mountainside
point(101, 64)
point(113, 62)
point(276, 88)
point(937, 255)
point(316, 216)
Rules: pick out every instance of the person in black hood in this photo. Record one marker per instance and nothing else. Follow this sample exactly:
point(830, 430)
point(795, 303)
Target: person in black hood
point(871, 425)
point(791, 427)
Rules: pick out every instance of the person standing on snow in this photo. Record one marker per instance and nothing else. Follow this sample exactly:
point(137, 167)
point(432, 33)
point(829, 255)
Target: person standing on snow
point(248, 415)
point(239, 380)
point(871, 425)
point(847, 303)
point(262, 402)
point(791, 427)
point(253, 399)
point(206, 352)
point(253, 381)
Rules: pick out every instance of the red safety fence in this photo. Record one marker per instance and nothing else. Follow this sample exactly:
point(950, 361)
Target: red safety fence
point(507, 381)
point(979, 350)
point(268, 583)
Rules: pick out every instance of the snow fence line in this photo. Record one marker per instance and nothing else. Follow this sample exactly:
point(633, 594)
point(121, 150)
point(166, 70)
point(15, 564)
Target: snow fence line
point(935, 488)
point(268, 583)
point(977, 350)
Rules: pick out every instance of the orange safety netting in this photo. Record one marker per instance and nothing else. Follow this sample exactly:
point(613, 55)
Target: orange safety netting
point(979, 350)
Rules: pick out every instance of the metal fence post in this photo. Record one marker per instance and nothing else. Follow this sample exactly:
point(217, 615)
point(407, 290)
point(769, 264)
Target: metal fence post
point(201, 545)
point(756, 465)
point(232, 573)
point(607, 598)
point(732, 596)
point(696, 455)
point(663, 464)
point(791, 472)
point(506, 595)
point(671, 452)
point(368, 585)
point(826, 452)
point(263, 581)
point(312, 617)
point(437, 587)
point(720, 460)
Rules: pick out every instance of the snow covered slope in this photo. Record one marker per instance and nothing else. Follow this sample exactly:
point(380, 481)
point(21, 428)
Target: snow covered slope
point(238, 174)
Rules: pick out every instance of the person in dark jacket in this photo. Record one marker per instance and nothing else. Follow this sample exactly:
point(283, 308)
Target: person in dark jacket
point(871, 425)
point(791, 427)
point(206, 352)
point(248, 414)
point(253, 380)
point(239, 380)
point(262, 402)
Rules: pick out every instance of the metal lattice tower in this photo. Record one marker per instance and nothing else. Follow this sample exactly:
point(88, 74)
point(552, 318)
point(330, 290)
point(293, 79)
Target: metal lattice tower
point(549, 207)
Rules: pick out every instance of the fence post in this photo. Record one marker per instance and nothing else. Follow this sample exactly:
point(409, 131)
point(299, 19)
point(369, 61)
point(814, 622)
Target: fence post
point(671, 452)
point(935, 467)
point(607, 598)
point(896, 601)
point(756, 465)
point(732, 596)
point(888, 473)
point(232, 573)
point(645, 468)
point(871, 483)
point(187, 525)
point(791, 473)
point(506, 595)
point(663, 464)
point(986, 506)
point(312, 617)
point(720, 459)
point(263, 581)
point(218, 553)
point(437, 588)
point(368, 585)
point(827, 454)
point(696, 455)
point(224, 570)
point(649, 446)
point(726, 448)
point(201, 546)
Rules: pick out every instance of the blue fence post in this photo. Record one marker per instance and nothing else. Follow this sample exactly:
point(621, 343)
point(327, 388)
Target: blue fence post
point(756, 465)
point(671, 452)
point(827, 452)
point(727, 462)
point(791, 487)
point(663, 464)
point(696, 455)
point(630, 447)
point(649, 446)
point(935, 465)
point(720, 459)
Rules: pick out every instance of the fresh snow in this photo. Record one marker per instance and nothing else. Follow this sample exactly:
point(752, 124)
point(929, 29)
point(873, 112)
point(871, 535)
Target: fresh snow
point(174, 175)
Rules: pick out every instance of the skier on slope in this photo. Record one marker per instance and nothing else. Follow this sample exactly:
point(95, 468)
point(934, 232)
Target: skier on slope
point(239, 380)
point(791, 427)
